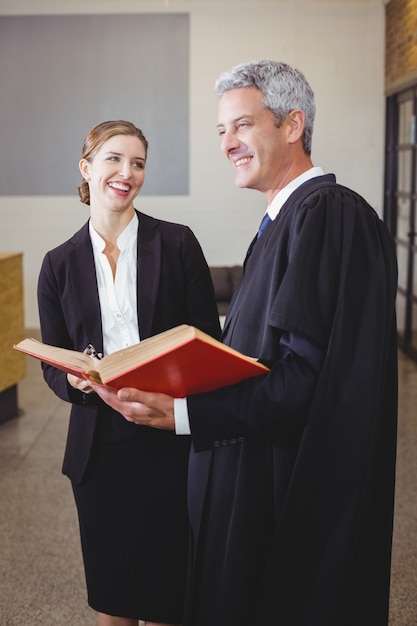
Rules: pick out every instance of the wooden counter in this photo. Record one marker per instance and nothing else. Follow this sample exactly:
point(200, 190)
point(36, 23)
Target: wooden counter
point(12, 363)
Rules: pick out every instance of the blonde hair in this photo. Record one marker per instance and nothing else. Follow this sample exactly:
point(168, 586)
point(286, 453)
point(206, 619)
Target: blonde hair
point(97, 137)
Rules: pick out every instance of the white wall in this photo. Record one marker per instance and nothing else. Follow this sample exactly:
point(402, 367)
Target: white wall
point(339, 46)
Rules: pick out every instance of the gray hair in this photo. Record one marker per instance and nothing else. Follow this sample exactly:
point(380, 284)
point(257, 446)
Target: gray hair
point(283, 87)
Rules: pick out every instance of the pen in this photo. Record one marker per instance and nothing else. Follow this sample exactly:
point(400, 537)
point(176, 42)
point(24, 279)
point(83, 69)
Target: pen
point(91, 351)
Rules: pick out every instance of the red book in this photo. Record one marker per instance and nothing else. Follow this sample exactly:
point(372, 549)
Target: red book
point(179, 362)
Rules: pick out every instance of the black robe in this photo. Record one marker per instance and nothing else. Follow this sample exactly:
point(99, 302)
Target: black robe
point(292, 475)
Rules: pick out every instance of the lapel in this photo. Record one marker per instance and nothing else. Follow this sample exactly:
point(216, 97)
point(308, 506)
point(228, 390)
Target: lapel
point(232, 308)
point(234, 304)
point(149, 271)
point(84, 285)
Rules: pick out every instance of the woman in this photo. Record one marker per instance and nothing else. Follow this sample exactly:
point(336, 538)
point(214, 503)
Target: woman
point(124, 277)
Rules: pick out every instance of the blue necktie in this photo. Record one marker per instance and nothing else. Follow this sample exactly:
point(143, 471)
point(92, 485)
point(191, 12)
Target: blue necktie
point(265, 221)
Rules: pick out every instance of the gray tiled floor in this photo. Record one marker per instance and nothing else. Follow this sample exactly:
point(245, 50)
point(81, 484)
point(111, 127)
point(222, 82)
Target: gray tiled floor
point(41, 573)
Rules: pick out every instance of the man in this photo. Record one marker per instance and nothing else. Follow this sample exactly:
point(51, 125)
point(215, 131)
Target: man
point(291, 479)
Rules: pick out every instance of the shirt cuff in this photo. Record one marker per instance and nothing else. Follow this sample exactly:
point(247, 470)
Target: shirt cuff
point(182, 422)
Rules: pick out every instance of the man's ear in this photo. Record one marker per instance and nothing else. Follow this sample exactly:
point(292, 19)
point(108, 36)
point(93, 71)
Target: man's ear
point(296, 121)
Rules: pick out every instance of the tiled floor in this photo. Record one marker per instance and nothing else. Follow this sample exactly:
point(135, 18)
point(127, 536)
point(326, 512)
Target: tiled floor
point(41, 573)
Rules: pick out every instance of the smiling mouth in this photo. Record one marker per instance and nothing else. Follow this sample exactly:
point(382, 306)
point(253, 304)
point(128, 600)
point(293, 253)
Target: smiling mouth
point(243, 161)
point(119, 186)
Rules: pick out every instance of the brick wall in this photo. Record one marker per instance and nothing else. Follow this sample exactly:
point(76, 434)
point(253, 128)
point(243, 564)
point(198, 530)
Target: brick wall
point(400, 44)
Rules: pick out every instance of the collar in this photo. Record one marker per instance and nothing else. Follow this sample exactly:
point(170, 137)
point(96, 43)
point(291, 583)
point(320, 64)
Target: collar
point(283, 195)
point(125, 238)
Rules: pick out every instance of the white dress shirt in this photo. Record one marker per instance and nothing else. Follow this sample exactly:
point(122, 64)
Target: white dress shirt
point(118, 299)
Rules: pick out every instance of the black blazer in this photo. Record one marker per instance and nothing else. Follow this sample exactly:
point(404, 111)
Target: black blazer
point(173, 287)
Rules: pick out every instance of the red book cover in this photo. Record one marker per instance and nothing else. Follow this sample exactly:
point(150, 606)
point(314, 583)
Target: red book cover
point(178, 362)
point(194, 367)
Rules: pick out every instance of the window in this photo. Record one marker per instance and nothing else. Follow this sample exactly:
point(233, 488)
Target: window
point(401, 208)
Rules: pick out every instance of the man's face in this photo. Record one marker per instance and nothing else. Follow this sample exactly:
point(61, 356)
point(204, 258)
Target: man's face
point(250, 139)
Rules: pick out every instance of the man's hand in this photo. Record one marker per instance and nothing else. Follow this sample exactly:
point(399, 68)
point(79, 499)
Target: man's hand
point(141, 407)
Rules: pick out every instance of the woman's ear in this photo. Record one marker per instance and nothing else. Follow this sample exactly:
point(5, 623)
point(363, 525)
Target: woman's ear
point(84, 166)
point(296, 121)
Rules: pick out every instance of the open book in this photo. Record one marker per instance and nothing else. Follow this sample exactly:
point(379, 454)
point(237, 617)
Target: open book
point(179, 362)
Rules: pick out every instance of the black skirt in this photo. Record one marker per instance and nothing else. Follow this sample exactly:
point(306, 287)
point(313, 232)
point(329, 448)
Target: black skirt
point(133, 522)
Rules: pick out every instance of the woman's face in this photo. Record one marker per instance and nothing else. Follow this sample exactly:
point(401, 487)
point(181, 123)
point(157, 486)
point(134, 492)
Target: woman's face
point(116, 173)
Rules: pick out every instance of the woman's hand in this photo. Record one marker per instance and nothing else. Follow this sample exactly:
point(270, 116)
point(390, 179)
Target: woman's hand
point(80, 383)
point(140, 407)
